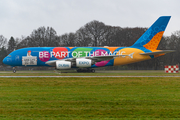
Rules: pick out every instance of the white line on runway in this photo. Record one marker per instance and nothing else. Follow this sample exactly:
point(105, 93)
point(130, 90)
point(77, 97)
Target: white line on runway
point(75, 76)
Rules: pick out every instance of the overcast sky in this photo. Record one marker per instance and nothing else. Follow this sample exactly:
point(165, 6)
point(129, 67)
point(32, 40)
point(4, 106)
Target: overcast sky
point(20, 17)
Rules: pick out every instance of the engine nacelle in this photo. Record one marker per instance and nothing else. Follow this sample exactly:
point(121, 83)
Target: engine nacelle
point(83, 63)
point(63, 65)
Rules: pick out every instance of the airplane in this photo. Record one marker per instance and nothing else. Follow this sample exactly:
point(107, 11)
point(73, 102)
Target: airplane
point(84, 59)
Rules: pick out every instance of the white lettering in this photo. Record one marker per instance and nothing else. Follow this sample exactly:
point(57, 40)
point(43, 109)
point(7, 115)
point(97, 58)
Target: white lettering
point(46, 55)
point(110, 53)
point(104, 54)
point(40, 54)
point(68, 54)
point(57, 54)
point(76, 54)
point(115, 53)
point(63, 54)
point(86, 53)
point(91, 54)
point(79, 53)
point(96, 53)
point(122, 52)
point(53, 54)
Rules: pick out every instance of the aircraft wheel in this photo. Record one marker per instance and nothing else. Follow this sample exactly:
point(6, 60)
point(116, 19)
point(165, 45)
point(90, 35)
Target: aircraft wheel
point(93, 70)
point(14, 70)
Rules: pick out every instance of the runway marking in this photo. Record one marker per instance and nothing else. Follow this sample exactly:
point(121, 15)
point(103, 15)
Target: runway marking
point(75, 76)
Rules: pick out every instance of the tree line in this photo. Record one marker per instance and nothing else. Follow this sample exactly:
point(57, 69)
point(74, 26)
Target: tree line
point(95, 33)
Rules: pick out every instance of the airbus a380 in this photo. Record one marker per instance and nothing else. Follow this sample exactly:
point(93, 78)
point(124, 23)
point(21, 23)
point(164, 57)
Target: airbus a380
point(87, 58)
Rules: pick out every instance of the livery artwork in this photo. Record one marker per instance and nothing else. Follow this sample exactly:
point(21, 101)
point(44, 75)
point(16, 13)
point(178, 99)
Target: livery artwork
point(65, 52)
point(29, 60)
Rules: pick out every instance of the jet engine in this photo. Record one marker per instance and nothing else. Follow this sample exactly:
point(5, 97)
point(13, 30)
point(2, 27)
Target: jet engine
point(83, 63)
point(63, 65)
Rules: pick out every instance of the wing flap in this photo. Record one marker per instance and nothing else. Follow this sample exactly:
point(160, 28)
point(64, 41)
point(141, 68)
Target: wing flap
point(108, 57)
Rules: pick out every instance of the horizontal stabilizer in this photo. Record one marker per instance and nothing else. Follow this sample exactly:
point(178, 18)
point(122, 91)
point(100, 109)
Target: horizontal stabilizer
point(157, 52)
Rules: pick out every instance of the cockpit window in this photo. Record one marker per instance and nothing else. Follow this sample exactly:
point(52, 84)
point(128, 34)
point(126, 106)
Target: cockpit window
point(9, 55)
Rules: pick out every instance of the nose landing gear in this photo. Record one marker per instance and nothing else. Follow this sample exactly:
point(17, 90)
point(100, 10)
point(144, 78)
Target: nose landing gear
point(14, 70)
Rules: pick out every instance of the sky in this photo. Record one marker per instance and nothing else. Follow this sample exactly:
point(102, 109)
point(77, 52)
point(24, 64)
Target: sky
point(20, 17)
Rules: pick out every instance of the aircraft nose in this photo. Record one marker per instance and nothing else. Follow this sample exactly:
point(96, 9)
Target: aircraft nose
point(5, 61)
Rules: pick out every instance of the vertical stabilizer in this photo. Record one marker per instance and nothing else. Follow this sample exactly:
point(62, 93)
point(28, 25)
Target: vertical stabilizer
point(151, 38)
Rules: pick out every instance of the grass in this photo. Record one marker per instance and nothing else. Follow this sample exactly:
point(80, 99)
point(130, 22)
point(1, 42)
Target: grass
point(89, 98)
point(98, 73)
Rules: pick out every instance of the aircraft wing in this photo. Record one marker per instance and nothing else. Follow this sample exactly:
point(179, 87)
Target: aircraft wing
point(157, 52)
point(94, 58)
point(102, 58)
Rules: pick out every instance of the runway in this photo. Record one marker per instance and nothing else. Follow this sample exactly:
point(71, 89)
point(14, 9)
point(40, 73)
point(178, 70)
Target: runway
point(76, 76)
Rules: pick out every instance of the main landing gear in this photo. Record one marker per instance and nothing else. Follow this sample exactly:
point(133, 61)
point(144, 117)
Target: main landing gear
point(86, 70)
